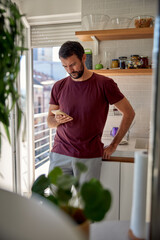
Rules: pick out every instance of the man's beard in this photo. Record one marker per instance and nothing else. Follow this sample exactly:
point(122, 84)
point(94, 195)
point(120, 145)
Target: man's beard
point(78, 73)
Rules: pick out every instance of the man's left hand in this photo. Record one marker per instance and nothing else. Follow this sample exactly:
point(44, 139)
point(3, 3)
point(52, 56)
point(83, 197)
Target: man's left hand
point(108, 151)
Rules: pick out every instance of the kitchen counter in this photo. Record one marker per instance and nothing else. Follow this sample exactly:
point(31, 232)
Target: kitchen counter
point(124, 152)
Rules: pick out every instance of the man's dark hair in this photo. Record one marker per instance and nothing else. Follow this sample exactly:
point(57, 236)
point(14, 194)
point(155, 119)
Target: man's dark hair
point(71, 47)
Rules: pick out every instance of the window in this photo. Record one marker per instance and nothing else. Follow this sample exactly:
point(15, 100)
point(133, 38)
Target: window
point(47, 69)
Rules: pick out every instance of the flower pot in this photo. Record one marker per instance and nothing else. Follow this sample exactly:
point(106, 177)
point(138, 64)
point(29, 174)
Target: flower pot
point(84, 228)
point(78, 216)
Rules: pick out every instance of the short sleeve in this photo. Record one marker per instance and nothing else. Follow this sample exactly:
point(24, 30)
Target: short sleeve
point(54, 96)
point(112, 91)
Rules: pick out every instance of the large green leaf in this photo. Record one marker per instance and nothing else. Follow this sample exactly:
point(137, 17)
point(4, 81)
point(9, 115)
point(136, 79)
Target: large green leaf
point(41, 183)
point(81, 167)
point(97, 200)
point(91, 191)
point(63, 196)
point(7, 132)
point(52, 199)
point(54, 174)
point(66, 182)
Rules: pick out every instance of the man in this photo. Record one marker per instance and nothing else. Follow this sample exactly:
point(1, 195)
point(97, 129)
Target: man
point(84, 96)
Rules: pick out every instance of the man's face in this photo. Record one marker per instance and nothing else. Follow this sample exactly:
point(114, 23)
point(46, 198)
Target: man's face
point(74, 66)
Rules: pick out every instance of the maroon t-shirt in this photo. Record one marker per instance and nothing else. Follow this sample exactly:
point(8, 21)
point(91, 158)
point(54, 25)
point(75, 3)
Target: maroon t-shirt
point(88, 103)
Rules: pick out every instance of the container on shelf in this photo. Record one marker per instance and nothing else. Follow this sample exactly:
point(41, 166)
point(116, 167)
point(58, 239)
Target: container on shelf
point(135, 62)
point(115, 63)
point(142, 21)
point(122, 62)
point(144, 62)
point(88, 62)
point(120, 22)
point(95, 22)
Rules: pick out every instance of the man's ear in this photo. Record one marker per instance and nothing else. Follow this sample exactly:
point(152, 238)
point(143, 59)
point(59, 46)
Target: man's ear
point(84, 57)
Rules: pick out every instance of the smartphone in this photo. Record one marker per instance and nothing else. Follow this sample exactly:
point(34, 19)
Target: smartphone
point(59, 112)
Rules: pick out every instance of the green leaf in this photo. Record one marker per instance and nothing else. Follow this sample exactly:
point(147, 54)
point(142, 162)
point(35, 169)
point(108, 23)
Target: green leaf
point(11, 33)
point(97, 200)
point(7, 133)
point(66, 182)
point(81, 167)
point(0, 142)
point(52, 199)
point(91, 191)
point(40, 185)
point(54, 174)
point(63, 196)
point(19, 117)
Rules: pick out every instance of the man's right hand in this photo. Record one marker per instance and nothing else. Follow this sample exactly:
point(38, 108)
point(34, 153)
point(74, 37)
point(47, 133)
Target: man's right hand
point(60, 119)
point(54, 120)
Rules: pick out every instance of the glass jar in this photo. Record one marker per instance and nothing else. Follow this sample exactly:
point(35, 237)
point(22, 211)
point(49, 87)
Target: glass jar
point(115, 63)
point(122, 62)
point(130, 64)
point(135, 61)
point(144, 62)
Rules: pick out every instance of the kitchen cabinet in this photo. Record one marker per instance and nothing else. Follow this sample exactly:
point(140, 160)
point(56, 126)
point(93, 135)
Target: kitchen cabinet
point(117, 176)
point(110, 180)
point(117, 34)
point(126, 190)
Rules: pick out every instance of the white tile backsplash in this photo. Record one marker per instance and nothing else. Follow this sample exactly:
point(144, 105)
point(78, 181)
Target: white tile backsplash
point(137, 89)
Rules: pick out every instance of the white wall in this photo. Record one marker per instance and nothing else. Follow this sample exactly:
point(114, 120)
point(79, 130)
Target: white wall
point(50, 7)
point(6, 164)
point(116, 8)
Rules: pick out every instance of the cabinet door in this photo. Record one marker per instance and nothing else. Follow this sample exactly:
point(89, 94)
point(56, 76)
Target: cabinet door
point(110, 180)
point(126, 190)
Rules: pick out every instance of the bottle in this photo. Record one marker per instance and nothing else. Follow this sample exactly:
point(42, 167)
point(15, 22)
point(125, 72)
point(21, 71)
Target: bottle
point(88, 62)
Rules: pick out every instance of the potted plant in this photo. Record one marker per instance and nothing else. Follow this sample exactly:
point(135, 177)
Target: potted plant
point(11, 49)
point(87, 201)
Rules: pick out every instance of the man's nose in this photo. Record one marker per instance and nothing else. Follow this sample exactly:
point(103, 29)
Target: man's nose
point(70, 69)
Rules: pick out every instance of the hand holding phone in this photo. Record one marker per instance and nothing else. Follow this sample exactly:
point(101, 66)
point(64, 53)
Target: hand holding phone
point(65, 117)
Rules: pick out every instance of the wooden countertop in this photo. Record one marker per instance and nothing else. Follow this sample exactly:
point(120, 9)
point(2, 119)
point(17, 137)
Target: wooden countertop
point(119, 159)
point(123, 153)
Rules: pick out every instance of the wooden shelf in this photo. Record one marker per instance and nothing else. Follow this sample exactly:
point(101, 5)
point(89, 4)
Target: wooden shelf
point(123, 72)
point(116, 34)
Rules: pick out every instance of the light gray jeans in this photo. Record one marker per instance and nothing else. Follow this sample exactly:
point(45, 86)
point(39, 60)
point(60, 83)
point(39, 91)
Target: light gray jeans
point(68, 165)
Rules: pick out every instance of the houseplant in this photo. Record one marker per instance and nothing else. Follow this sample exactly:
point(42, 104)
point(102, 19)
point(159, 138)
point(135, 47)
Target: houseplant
point(86, 201)
point(12, 47)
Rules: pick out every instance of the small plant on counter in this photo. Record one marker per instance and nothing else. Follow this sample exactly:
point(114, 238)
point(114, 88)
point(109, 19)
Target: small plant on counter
point(89, 201)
